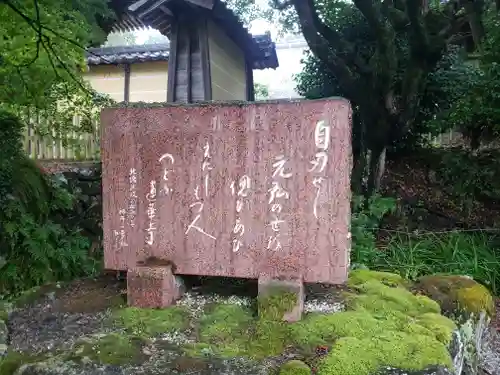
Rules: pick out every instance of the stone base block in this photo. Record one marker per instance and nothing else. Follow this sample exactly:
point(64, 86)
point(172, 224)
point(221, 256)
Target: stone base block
point(153, 287)
point(281, 299)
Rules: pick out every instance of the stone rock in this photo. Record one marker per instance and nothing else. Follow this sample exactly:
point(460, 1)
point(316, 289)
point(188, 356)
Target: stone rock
point(490, 357)
point(3, 350)
point(4, 334)
point(471, 305)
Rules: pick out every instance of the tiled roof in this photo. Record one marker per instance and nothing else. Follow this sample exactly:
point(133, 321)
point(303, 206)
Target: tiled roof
point(259, 49)
point(128, 54)
point(161, 52)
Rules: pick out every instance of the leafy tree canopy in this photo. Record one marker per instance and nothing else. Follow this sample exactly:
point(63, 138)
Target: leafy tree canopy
point(383, 55)
point(42, 58)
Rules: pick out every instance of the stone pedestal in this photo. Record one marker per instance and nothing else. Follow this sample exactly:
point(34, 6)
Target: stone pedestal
point(153, 287)
point(281, 299)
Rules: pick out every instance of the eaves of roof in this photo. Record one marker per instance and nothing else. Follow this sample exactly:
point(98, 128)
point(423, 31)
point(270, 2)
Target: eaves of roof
point(127, 54)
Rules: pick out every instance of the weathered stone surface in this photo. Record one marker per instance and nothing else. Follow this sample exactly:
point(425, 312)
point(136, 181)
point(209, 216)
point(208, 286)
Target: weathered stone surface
point(3, 332)
point(471, 305)
point(290, 290)
point(490, 356)
point(224, 189)
point(152, 287)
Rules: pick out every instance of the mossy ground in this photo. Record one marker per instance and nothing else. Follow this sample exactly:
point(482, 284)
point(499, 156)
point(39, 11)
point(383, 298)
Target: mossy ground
point(295, 367)
point(14, 360)
point(152, 322)
point(110, 349)
point(384, 324)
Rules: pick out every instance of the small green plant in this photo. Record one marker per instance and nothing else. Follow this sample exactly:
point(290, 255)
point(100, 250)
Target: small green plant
point(37, 245)
point(365, 221)
point(471, 254)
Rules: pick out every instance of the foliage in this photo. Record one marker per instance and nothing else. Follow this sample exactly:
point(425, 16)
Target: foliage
point(457, 253)
point(466, 177)
point(476, 112)
point(43, 60)
point(261, 91)
point(36, 246)
point(380, 56)
point(448, 81)
point(248, 10)
point(365, 221)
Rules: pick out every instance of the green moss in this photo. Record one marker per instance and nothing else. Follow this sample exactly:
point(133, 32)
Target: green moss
point(361, 276)
point(224, 323)
point(295, 367)
point(276, 303)
point(355, 356)
point(441, 326)
point(230, 330)
point(14, 360)
point(384, 325)
point(111, 349)
point(152, 321)
point(476, 299)
point(457, 294)
point(227, 327)
point(5, 308)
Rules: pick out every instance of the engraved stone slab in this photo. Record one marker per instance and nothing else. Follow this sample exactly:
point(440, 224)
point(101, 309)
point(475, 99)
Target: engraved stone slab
point(241, 190)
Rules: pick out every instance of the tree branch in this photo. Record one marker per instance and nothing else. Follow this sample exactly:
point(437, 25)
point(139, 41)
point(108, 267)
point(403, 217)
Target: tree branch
point(385, 56)
point(419, 39)
point(322, 49)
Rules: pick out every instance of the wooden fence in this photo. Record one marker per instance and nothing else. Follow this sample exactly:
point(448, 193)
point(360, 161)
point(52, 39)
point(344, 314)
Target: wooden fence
point(72, 146)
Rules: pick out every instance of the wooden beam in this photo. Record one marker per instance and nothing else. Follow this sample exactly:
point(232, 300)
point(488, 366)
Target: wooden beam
point(205, 59)
point(172, 62)
point(137, 5)
point(126, 94)
point(157, 4)
point(189, 62)
point(208, 4)
point(249, 81)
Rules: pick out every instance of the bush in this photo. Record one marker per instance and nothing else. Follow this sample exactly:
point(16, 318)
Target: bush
point(36, 244)
point(365, 222)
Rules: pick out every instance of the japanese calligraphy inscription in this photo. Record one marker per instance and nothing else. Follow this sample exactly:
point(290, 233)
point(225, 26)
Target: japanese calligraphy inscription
point(230, 190)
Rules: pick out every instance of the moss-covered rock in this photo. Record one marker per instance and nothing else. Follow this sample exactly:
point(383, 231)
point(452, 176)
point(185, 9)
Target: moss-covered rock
point(110, 349)
point(360, 276)
point(295, 367)
point(457, 294)
point(5, 309)
point(14, 360)
point(152, 322)
point(276, 303)
point(3, 332)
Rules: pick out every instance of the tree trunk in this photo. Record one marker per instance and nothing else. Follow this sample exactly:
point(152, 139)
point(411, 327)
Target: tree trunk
point(377, 169)
point(358, 153)
point(358, 172)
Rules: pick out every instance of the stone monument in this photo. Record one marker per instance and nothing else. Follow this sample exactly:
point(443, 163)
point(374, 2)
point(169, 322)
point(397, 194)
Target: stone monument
point(250, 190)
